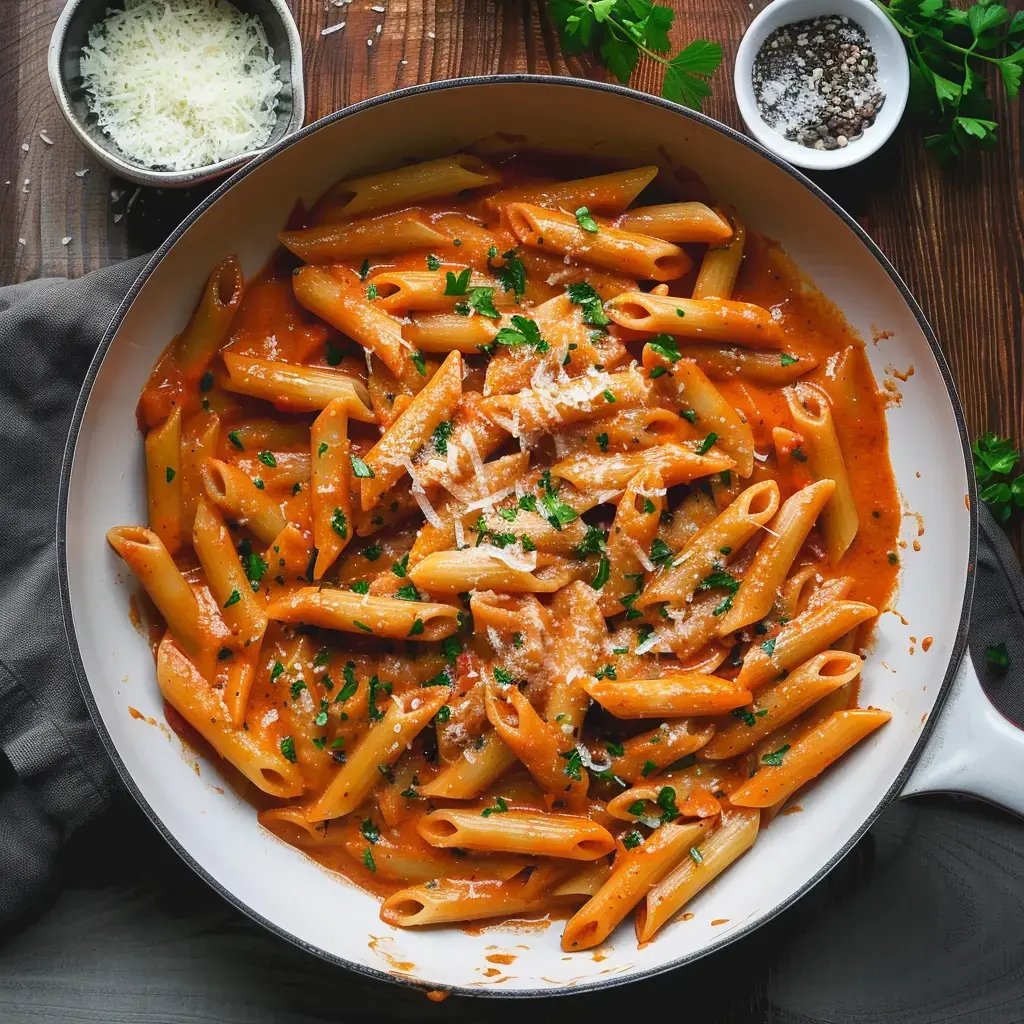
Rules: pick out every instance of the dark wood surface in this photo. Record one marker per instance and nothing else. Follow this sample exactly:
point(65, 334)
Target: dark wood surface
point(923, 923)
point(957, 235)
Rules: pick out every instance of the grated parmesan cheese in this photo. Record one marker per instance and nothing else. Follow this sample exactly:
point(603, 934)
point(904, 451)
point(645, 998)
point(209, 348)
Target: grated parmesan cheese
point(181, 83)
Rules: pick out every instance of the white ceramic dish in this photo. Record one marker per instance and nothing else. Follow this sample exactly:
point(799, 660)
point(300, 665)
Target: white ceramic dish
point(63, 66)
point(104, 484)
point(893, 77)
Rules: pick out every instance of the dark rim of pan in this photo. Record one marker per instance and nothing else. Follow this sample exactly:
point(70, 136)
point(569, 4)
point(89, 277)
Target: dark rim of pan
point(959, 644)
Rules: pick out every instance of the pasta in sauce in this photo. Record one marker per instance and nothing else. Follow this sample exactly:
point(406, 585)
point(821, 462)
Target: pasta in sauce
point(517, 538)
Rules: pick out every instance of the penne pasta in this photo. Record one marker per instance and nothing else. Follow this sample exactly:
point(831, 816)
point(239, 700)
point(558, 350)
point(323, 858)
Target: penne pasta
point(671, 696)
point(632, 533)
point(245, 503)
point(759, 366)
point(801, 639)
point(450, 332)
point(635, 872)
point(624, 252)
point(200, 434)
point(490, 568)
point(480, 765)
point(382, 745)
point(812, 416)
point(780, 703)
point(449, 901)
point(350, 612)
point(721, 265)
point(399, 291)
point(527, 832)
point(297, 388)
point(208, 327)
point(163, 480)
point(702, 319)
point(776, 554)
point(808, 757)
point(603, 193)
point(332, 243)
point(725, 845)
point(331, 491)
point(412, 184)
point(677, 222)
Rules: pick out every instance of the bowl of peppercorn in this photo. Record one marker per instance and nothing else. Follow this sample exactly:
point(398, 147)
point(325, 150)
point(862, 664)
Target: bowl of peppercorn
point(822, 83)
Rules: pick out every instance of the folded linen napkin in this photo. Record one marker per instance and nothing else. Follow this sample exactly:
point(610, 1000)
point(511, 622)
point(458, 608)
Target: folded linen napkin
point(54, 773)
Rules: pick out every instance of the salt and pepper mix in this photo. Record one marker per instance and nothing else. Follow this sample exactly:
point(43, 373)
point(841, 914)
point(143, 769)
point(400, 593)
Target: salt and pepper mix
point(815, 82)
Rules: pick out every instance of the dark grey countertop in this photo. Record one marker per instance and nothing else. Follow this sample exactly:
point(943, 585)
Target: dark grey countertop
point(923, 923)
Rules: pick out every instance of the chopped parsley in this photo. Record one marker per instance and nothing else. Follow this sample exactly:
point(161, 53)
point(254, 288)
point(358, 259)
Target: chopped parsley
point(450, 648)
point(769, 646)
point(419, 362)
point(512, 274)
point(774, 759)
point(288, 749)
point(321, 718)
point(667, 802)
point(375, 686)
point(350, 687)
point(615, 749)
point(407, 592)
point(602, 574)
point(602, 441)
point(636, 808)
point(690, 415)
point(233, 599)
point(360, 587)
point(649, 766)
point(385, 770)
point(339, 524)
point(574, 764)
point(648, 506)
point(705, 445)
point(661, 553)
point(364, 270)
point(321, 450)
point(359, 468)
point(276, 671)
point(503, 677)
point(368, 860)
point(585, 220)
point(785, 359)
point(296, 688)
point(632, 839)
point(719, 578)
point(656, 372)
point(607, 672)
point(696, 856)
point(528, 503)
point(333, 354)
point(443, 714)
point(441, 435)
point(206, 382)
point(416, 629)
point(170, 474)
point(267, 458)
point(666, 347)
point(371, 292)
point(500, 807)
point(441, 679)
point(236, 440)
point(433, 262)
point(370, 831)
point(362, 626)
point(457, 284)
point(372, 552)
point(586, 297)
point(482, 300)
point(522, 332)
point(401, 567)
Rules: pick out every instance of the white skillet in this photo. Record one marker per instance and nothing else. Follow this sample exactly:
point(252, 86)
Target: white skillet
point(967, 748)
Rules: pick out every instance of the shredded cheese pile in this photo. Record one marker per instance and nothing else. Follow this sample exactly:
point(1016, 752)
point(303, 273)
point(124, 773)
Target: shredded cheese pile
point(179, 84)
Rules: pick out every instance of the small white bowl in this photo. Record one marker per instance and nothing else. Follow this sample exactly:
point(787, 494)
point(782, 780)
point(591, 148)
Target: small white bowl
point(893, 79)
point(64, 65)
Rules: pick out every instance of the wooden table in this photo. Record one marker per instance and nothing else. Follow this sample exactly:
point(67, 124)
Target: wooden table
point(921, 923)
point(956, 236)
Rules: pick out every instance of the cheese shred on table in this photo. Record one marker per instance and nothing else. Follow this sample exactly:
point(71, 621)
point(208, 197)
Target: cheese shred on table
point(179, 84)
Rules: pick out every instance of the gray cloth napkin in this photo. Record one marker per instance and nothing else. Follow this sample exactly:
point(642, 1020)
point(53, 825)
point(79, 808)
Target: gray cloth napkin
point(54, 773)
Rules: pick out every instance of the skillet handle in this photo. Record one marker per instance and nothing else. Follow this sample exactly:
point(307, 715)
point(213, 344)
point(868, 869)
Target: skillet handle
point(973, 750)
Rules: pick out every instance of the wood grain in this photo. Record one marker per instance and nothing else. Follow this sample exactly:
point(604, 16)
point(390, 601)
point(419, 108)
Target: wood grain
point(956, 236)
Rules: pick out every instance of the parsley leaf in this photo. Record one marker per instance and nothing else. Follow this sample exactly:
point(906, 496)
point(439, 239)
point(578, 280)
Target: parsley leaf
point(512, 274)
point(441, 436)
point(482, 300)
point(522, 332)
point(574, 764)
point(585, 220)
point(666, 347)
point(287, 747)
point(632, 839)
point(500, 807)
point(661, 553)
point(995, 459)
point(774, 759)
point(667, 803)
point(457, 284)
point(361, 469)
point(586, 297)
point(705, 446)
point(339, 524)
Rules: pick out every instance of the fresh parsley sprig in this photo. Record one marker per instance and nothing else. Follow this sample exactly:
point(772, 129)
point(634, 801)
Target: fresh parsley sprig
point(950, 51)
point(995, 459)
point(619, 31)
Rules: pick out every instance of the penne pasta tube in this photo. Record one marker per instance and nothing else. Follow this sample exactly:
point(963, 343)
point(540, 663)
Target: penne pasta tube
point(646, 427)
point(474, 437)
point(291, 825)
point(347, 308)
point(451, 900)
point(533, 526)
point(152, 564)
point(658, 748)
point(208, 327)
point(578, 635)
point(801, 639)
point(399, 291)
point(350, 612)
point(702, 319)
point(634, 873)
point(527, 832)
point(561, 403)
point(812, 417)
point(163, 480)
point(676, 463)
point(296, 388)
point(712, 546)
point(331, 492)
point(239, 607)
point(806, 590)
point(385, 742)
point(584, 883)
point(200, 705)
point(676, 695)
point(389, 458)
point(241, 675)
point(759, 366)
point(548, 754)
point(721, 265)
point(333, 243)
point(775, 556)
point(677, 222)
point(490, 568)
point(795, 766)
point(480, 766)
point(231, 490)
point(200, 434)
point(411, 184)
point(625, 252)
point(450, 332)
point(684, 384)
point(603, 193)
point(780, 703)
point(632, 532)
point(726, 844)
